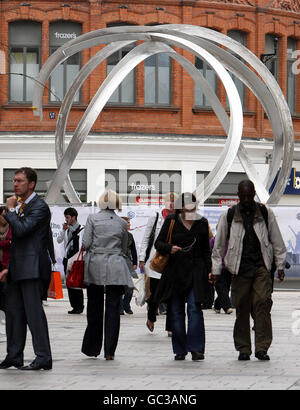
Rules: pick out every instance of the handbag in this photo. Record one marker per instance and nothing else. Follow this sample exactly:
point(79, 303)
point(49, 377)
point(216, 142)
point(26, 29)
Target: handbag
point(159, 261)
point(75, 278)
point(55, 290)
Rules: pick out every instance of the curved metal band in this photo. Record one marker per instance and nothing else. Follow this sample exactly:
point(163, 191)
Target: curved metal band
point(113, 80)
point(270, 94)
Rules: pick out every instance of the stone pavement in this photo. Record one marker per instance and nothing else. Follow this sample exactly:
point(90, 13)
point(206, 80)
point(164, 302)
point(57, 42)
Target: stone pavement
point(144, 360)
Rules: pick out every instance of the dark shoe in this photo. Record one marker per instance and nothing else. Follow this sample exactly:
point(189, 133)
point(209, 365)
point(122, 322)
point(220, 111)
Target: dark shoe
point(75, 311)
point(244, 356)
point(37, 366)
point(129, 312)
point(180, 356)
point(109, 357)
point(122, 312)
point(262, 355)
point(197, 356)
point(150, 325)
point(6, 364)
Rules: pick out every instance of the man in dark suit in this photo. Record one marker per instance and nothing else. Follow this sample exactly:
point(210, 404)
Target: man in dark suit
point(28, 269)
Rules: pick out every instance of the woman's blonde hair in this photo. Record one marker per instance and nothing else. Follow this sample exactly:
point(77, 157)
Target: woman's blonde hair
point(110, 200)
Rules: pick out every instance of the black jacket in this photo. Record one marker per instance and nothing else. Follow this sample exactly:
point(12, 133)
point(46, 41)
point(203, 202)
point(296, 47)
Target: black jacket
point(29, 258)
point(185, 270)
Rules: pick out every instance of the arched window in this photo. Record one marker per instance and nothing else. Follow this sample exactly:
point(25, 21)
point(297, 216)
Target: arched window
point(24, 59)
point(241, 37)
point(126, 92)
point(211, 77)
point(291, 75)
point(158, 80)
point(271, 54)
point(158, 75)
point(60, 32)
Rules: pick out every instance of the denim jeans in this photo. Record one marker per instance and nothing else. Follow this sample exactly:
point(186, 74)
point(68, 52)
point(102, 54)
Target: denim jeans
point(192, 340)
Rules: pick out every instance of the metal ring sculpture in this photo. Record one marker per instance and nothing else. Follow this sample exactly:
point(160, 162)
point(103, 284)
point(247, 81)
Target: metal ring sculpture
point(204, 43)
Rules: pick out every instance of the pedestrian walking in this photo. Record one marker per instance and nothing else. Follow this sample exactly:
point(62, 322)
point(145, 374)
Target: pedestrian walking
point(147, 251)
point(71, 236)
point(131, 259)
point(29, 267)
point(252, 246)
point(105, 241)
point(185, 277)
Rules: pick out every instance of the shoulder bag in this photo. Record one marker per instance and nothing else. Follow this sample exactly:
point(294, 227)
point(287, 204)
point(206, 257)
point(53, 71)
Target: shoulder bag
point(159, 261)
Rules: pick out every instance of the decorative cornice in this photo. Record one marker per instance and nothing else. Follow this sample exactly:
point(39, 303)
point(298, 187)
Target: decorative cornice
point(242, 2)
point(286, 5)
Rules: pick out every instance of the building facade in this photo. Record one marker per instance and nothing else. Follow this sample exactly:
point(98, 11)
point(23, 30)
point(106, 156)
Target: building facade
point(157, 132)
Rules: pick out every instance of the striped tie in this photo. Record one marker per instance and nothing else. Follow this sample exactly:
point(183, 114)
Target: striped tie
point(21, 208)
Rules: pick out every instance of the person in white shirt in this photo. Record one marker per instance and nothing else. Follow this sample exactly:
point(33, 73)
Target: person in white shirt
point(70, 235)
point(147, 251)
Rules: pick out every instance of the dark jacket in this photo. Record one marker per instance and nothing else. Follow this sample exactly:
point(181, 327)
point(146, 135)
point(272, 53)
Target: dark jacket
point(29, 258)
point(185, 270)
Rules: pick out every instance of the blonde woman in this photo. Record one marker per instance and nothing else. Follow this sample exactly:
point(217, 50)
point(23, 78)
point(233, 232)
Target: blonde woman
point(105, 241)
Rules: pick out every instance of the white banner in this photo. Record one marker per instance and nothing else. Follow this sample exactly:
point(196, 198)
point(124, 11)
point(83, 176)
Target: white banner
point(288, 219)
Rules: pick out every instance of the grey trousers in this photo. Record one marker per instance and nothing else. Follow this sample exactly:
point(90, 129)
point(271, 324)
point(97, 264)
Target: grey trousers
point(252, 294)
point(24, 307)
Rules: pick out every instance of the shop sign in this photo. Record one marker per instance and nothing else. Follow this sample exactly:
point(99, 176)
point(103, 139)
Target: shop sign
point(228, 201)
point(149, 200)
point(293, 184)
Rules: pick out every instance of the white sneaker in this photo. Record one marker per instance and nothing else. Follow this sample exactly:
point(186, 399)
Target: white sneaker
point(229, 311)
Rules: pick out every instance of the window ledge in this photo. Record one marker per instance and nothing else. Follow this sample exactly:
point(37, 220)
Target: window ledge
point(13, 106)
point(197, 110)
point(142, 108)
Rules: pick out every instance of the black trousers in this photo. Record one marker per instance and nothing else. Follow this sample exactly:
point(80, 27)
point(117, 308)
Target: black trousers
point(75, 295)
point(153, 306)
point(24, 307)
point(97, 319)
point(222, 288)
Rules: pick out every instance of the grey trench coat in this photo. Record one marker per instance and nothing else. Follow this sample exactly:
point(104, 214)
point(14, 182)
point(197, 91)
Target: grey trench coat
point(105, 241)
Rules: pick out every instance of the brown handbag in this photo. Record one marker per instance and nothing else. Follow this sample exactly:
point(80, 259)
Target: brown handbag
point(159, 261)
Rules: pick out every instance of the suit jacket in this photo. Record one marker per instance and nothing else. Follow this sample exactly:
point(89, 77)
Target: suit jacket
point(29, 257)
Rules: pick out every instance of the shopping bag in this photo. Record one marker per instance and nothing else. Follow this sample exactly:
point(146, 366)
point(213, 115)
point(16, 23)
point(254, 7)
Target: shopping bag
point(75, 278)
point(55, 290)
point(140, 290)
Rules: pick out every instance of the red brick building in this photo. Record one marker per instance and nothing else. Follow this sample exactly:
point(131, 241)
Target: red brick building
point(159, 105)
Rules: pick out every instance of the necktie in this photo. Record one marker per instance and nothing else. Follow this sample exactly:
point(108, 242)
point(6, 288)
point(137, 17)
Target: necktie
point(21, 208)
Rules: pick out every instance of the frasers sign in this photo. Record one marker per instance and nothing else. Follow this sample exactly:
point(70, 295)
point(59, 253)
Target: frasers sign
point(66, 36)
point(293, 185)
point(142, 187)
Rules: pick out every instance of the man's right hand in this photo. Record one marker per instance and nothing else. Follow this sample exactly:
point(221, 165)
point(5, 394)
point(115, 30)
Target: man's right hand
point(142, 266)
point(212, 278)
